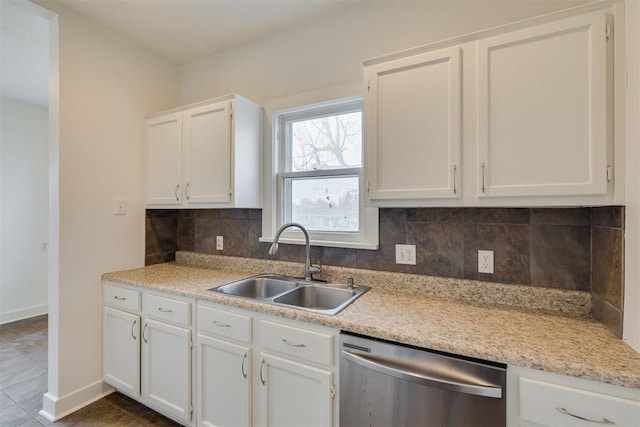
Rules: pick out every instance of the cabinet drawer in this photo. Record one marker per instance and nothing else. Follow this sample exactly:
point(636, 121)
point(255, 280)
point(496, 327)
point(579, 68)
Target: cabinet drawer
point(224, 323)
point(550, 404)
point(308, 345)
point(167, 309)
point(124, 298)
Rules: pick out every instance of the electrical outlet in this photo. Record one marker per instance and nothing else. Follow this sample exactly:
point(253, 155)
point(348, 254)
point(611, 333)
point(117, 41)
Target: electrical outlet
point(219, 243)
point(485, 262)
point(406, 254)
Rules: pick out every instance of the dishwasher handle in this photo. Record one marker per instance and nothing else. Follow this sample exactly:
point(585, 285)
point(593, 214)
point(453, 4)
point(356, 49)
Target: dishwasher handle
point(421, 378)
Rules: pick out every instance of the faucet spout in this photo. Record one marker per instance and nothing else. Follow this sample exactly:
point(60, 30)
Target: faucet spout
point(309, 269)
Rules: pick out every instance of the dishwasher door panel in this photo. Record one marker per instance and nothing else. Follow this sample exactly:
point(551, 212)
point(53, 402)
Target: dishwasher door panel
point(386, 385)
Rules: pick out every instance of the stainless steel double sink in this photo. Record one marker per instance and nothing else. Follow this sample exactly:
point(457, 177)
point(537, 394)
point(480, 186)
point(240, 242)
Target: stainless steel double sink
point(317, 297)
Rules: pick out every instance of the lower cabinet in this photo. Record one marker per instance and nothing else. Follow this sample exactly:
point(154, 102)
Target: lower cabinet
point(537, 398)
point(294, 394)
point(166, 368)
point(255, 369)
point(121, 361)
point(147, 349)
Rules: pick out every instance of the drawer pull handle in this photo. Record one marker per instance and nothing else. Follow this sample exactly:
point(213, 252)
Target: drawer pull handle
point(603, 421)
point(222, 325)
point(244, 359)
point(291, 344)
point(165, 310)
point(120, 298)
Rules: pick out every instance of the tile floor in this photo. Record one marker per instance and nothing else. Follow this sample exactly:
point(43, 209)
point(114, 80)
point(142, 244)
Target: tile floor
point(23, 381)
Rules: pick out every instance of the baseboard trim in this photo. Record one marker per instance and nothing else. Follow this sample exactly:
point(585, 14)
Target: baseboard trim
point(54, 408)
point(23, 313)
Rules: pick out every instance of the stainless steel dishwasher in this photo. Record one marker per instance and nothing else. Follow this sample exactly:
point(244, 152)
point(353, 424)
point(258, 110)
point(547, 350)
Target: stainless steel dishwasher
point(390, 385)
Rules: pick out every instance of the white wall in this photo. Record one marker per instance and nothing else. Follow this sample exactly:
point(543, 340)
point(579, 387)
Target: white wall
point(106, 85)
point(328, 52)
point(24, 204)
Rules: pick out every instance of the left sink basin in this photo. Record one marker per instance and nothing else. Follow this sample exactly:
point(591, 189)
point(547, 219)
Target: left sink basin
point(259, 287)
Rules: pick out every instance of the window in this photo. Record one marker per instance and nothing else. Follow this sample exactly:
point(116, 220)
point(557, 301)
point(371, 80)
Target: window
point(318, 171)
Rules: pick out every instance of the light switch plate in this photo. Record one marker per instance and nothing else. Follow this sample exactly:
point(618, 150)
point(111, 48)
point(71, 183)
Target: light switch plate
point(219, 243)
point(119, 207)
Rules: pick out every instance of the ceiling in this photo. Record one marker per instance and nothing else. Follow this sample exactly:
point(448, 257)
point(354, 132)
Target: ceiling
point(183, 31)
point(180, 31)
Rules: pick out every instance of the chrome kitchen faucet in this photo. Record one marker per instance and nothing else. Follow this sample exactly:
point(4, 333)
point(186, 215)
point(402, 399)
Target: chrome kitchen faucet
point(309, 270)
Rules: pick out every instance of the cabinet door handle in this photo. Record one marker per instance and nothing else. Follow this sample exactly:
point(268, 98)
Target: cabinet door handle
point(165, 310)
point(221, 325)
point(120, 298)
point(482, 168)
point(176, 193)
point(186, 191)
point(133, 325)
point(261, 369)
point(284, 340)
point(455, 174)
point(602, 421)
point(144, 338)
point(244, 359)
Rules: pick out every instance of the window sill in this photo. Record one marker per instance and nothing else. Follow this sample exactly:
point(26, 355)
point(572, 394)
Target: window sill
point(325, 243)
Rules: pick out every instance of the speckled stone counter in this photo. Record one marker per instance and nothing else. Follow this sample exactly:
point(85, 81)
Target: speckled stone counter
point(551, 338)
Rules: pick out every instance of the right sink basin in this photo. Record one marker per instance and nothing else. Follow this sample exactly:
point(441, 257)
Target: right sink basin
point(322, 299)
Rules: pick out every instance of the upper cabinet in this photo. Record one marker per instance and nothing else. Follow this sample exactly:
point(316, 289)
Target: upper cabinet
point(412, 122)
point(206, 155)
point(542, 110)
point(518, 118)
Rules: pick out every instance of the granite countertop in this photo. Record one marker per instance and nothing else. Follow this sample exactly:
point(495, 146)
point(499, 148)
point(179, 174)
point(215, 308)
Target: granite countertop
point(553, 341)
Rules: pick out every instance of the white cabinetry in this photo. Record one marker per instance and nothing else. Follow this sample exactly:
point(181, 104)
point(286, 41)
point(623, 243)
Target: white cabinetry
point(296, 380)
point(147, 351)
point(542, 110)
point(254, 370)
point(204, 155)
point(223, 367)
point(164, 160)
point(294, 394)
point(538, 398)
point(166, 355)
point(518, 118)
point(121, 336)
point(413, 129)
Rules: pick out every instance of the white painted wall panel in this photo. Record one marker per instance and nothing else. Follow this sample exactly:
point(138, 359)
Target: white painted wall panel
point(24, 207)
point(107, 84)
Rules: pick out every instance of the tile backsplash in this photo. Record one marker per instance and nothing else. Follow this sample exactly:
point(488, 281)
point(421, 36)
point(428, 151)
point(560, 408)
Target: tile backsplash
point(564, 248)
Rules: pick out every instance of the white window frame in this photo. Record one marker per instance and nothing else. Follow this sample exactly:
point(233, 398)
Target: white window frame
point(272, 213)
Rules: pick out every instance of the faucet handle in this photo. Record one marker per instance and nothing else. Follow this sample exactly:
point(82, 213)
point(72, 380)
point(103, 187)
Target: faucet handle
point(349, 282)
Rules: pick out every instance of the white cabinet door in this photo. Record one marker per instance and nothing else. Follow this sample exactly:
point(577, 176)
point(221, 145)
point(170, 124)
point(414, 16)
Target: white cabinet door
point(412, 119)
point(207, 153)
point(224, 383)
point(166, 368)
point(121, 364)
point(294, 394)
point(542, 110)
point(536, 398)
point(164, 160)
